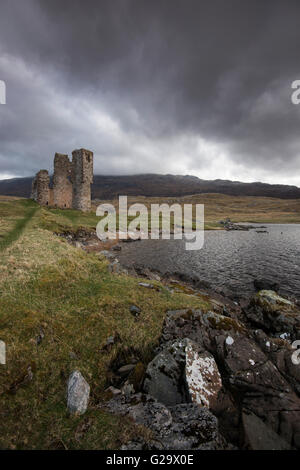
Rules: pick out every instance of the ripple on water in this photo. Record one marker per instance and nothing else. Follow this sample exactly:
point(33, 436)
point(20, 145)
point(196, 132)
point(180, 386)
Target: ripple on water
point(230, 260)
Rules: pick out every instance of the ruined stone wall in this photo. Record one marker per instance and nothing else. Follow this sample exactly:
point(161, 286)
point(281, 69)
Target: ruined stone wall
point(51, 203)
point(62, 186)
point(42, 191)
point(71, 182)
point(82, 178)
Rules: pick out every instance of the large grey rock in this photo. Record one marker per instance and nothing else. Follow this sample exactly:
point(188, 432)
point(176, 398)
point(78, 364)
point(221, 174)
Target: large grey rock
point(261, 388)
point(258, 395)
point(78, 393)
point(182, 373)
point(258, 436)
point(192, 420)
point(180, 427)
point(274, 313)
point(202, 376)
point(201, 327)
point(164, 375)
point(280, 353)
point(255, 367)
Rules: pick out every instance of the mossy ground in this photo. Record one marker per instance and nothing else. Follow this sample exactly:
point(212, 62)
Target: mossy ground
point(48, 285)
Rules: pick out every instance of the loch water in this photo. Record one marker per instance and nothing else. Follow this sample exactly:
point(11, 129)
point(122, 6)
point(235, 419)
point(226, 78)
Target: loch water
point(229, 260)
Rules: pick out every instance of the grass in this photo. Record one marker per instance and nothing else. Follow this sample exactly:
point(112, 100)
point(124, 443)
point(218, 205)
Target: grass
point(14, 233)
point(48, 285)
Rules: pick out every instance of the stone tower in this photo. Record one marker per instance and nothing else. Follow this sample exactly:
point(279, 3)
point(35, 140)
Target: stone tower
point(40, 188)
point(71, 182)
point(82, 178)
point(62, 186)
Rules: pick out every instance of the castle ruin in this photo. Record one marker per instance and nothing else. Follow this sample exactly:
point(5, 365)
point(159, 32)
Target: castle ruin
point(71, 186)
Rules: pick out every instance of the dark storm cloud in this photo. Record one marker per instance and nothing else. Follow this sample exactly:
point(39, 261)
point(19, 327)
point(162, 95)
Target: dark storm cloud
point(168, 86)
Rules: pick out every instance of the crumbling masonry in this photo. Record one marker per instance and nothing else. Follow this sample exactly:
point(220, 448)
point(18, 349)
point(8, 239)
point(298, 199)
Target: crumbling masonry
point(71, 187)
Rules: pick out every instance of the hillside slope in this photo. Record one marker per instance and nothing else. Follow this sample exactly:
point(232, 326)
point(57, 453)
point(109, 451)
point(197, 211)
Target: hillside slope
point(109, 187)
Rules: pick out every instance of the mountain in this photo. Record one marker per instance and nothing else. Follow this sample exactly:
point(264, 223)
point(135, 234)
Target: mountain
point(108, 187)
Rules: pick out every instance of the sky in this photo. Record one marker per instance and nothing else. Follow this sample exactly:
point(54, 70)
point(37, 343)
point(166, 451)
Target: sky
point(198, 87)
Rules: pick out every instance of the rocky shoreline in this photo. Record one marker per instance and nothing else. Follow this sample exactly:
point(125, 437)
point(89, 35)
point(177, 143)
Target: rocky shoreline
point(227, 224)
point(253, 392)
point(222, 379)
point(217, 382)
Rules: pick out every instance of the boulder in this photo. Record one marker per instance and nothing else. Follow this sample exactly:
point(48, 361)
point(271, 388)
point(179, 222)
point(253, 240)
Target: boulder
point(216, 321)
point(256, 402)
point(164, 375)
point(261, 388)
point(78, 392)
point(197, 426)
point(274, 313)
point(181, 373)
point(201, 327)
point(202, 376)
point(271, 300)
point(258, 436)
point(280, 352)
point(180, 427)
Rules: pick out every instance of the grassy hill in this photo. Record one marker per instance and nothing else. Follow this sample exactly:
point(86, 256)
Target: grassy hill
point(47, 285)
point(155, 185)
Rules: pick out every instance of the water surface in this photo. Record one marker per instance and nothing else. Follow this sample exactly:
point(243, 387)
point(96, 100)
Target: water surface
point(229, 260)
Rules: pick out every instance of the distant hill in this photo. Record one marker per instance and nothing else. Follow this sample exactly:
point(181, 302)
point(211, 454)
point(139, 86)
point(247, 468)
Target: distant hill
point(108, 187)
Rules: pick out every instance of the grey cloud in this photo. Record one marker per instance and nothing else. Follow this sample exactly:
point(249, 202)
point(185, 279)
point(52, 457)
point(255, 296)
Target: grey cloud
point(163, 73)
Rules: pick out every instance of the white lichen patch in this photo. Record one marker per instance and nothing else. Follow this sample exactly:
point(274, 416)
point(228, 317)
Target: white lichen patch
point(252, 362)
point(202, 376)
point(229, 340)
